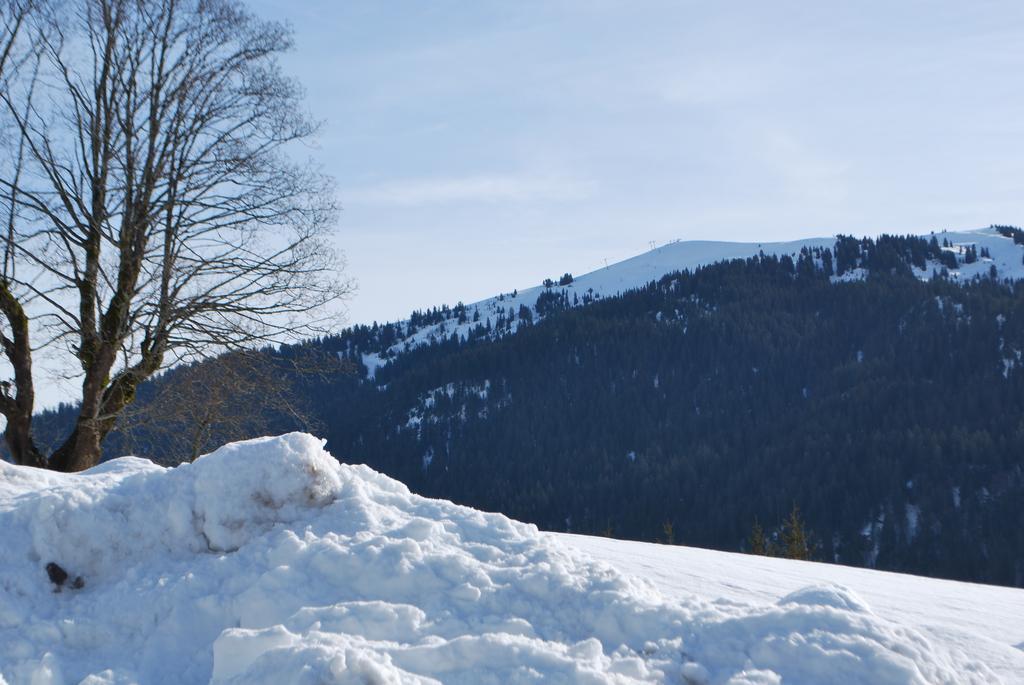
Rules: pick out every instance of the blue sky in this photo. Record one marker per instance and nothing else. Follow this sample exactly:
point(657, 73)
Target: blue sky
point(483, 146)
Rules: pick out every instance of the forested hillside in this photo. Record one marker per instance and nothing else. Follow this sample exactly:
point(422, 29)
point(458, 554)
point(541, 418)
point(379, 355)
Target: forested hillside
point(888, 407)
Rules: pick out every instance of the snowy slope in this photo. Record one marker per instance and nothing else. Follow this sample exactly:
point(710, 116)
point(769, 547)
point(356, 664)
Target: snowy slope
point(985, 621)
point(269, 562)
point(681, 255)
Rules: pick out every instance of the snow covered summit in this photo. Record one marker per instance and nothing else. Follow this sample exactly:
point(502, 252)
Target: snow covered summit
point(269, 562)
point(1000, 251)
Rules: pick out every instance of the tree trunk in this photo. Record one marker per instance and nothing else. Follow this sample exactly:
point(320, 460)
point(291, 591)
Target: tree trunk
point(83, 448)
point(18, 409)
point(80, 451)
point(18, 436)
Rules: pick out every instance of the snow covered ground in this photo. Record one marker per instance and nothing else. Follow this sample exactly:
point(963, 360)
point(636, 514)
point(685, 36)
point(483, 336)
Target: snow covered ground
point(985, 621)
point(269, 562)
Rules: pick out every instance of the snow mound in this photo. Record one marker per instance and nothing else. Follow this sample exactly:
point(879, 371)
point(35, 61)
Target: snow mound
point(835, 596)
point(269, 562)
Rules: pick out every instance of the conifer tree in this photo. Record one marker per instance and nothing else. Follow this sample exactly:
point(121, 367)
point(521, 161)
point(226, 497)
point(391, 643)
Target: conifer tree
point(826, 262)
point(794, 537)
point(758, 541)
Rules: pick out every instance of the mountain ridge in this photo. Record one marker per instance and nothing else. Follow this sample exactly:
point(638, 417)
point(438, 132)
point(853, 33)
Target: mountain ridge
point(679, 255)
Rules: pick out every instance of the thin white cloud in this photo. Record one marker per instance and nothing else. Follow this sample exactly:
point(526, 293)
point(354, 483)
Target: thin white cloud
point(479, 188)
point(719, 84)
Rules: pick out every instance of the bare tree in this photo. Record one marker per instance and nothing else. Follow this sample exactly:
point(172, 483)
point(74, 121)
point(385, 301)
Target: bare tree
point(156, 211)
point(237, 395)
